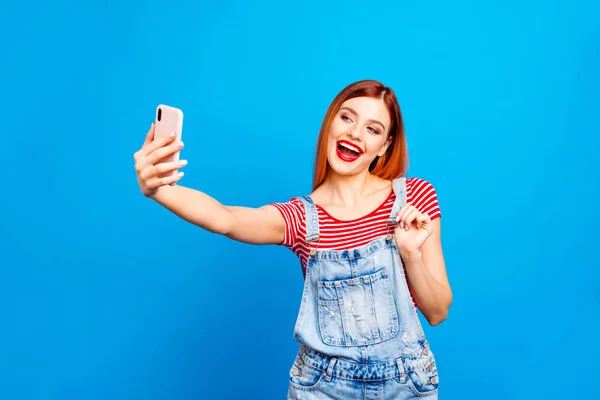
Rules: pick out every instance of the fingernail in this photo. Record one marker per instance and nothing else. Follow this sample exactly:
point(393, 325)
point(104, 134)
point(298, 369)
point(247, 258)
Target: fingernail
point(183, 162)
point(180, 144)
point(171, 134)
point(180, 174)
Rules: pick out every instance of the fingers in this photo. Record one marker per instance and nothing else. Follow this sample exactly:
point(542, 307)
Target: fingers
point(151, 145)
point(156, 182)
point(143, 152)
point(402, 213)
point(149, 135)
point(409, 214)
point(410, 217)
point(154, 157)
point(423, 220)
point(153, 171)
point(159, 144)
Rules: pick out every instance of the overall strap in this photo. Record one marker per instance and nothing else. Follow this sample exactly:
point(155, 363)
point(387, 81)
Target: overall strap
point(399, 187)
point(312, 219)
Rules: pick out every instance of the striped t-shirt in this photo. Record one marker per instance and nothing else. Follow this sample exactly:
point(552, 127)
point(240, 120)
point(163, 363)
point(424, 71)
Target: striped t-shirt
point(335, 234)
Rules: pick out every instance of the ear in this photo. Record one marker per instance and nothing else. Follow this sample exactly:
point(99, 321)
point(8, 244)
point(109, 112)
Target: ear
point(385, 146)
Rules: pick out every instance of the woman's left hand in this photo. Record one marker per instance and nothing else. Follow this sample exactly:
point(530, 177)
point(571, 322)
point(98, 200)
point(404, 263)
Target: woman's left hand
point(412, 229)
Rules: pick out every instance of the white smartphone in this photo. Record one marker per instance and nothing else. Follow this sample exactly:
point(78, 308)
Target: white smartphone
point(168, 120)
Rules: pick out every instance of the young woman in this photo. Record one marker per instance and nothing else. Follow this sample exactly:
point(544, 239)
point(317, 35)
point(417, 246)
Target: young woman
point(368, 240)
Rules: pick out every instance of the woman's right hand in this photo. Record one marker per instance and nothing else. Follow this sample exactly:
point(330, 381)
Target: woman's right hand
point(151, 172)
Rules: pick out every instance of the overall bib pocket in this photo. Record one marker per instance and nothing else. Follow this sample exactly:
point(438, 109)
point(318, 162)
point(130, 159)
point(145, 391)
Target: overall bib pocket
point(357, 311)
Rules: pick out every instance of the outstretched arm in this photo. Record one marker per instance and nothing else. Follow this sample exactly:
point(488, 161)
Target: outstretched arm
point(263, 225)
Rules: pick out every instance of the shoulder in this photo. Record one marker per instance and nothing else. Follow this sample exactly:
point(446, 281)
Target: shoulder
point(292, 210)
point(295, 219)
point(292, 203)
point(415, 184)
point(423, 195)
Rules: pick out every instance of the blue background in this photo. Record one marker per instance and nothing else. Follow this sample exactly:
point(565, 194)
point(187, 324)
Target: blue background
point(106, 295)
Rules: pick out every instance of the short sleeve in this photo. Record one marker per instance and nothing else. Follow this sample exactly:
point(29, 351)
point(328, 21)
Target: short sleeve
point(293, 214)
point(422, 195)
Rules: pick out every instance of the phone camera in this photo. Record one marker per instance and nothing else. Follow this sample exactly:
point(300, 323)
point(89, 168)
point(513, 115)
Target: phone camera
point(159, 114)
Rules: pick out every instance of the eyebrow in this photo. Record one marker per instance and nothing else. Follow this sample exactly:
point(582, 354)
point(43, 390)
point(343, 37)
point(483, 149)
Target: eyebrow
point(355, 113)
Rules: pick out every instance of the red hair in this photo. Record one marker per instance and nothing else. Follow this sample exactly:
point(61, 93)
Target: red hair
point(394, 163)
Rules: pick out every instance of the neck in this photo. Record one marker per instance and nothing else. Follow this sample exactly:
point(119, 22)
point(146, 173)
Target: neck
point(348, 190)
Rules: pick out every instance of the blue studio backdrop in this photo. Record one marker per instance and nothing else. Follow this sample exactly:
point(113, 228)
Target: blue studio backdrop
point(106, 295)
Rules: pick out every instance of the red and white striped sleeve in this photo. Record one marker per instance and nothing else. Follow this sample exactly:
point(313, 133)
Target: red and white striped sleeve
point(293, 214)
point(423, 196)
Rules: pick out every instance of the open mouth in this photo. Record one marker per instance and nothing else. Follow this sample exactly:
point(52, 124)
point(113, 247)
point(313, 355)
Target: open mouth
point(347, 151)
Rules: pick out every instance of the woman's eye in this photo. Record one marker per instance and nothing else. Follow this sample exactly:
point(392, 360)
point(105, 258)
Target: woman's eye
point(345, 118)
point(373, 130)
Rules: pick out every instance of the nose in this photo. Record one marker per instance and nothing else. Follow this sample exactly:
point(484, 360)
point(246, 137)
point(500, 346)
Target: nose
point(354, 133)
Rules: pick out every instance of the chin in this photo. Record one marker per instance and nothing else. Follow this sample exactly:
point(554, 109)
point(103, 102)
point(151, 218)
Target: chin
point(345, 169)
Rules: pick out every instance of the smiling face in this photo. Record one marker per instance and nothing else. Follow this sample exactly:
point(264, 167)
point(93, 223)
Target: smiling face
point(358, 134)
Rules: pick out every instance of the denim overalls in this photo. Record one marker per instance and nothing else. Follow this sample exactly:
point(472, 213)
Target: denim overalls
point(359, 331)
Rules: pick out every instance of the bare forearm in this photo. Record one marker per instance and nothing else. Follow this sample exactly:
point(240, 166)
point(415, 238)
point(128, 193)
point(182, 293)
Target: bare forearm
point(432, 297)
point(194, 206)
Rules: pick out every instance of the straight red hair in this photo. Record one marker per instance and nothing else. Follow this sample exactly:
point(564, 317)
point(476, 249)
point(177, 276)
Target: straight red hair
point(394, 163)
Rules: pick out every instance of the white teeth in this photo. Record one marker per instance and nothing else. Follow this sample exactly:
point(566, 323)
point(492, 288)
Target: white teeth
point(349, 147)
